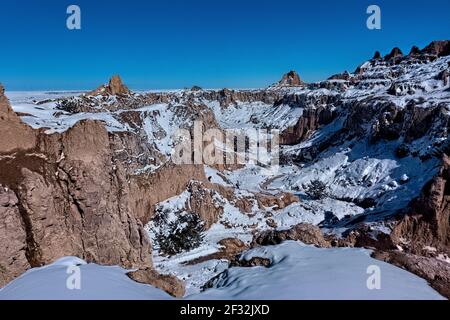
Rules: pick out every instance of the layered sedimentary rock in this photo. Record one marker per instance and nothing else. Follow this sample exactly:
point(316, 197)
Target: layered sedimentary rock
point(303, 232)
point(310, 121)
point(290, 79)
point(114, 87)
point(69, 198)
point(427, 221)
point(70, 194)
point(435, 271)
point(168, 283)
point(13, 132)
point(438, 48)
point(227, 97)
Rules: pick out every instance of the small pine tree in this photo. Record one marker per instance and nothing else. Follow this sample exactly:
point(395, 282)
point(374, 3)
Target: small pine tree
point(317, 190)
point(183, 234)
point(69, 105)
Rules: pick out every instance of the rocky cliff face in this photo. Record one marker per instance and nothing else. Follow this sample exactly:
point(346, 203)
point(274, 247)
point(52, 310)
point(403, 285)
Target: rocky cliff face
point(70, 194)
point(114, 87)
point(427, 222)
point(15, 134)
point(311, 120)
point(65, 195)
point(290, 79)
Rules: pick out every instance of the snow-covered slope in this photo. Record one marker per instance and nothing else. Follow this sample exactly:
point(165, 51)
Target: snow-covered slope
point(296, 272)
point(304, 272)
point(96, 283)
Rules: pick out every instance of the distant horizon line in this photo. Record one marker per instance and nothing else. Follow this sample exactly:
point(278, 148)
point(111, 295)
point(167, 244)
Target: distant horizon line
point(134, 90)
point(404, 52)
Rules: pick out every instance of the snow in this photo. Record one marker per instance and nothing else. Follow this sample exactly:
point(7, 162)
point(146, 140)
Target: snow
point(46, 115)
point(420, 78)
point(305, 272)
point(313, 212)
point(255, 115)
point(96, 283)
point(159, 127)
point(297, 271)
point(251, 177)
point(28, 96)
point(232, 224)
point(361, 172)
point(215, 176)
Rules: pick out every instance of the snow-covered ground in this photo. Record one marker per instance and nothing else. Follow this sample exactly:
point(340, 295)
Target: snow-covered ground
point(45, 115)
point(354, 171)
point(255, 114)
point(53, 282)
point(297, 271)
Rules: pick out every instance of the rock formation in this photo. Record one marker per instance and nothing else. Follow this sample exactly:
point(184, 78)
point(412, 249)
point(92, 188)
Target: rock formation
point(303, 232)
point(69, 194)
point(290, 79)
point(427, 222)
point(168, 283)
point(435, 271)
point(13, 132)
point(68, 198)
point(438, 48)
point(377, 55)
point(114, 87)
point(311, 120)
point(414, 51)
point(395, 53)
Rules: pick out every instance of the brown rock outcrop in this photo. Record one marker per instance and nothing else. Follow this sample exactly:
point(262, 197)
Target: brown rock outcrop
point(362, 236)
point(311, 120)
point(114, 87)
point(304, 232)
point(252, 262)
point(435, 271)
point(444, 76)
point(72, 201)
point(414, 51)
point(232, 246)
point(227, 97)
point(70, 194)
point(168, 283)
point(203, 203)
point(395, 53)
point(390, 122)
point(196, 88)
point(231, 249)
point(438, 48)
point(290, 79)
point(278, 201)
point(168, 181)
point(13, 132)
point(377, 55)
point(13, 236)
point(427, 221)
point(341, 76)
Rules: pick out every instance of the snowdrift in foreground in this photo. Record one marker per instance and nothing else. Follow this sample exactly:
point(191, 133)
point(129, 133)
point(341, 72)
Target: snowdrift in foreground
point(301, 272)
point(297, 272)
point(97, 283)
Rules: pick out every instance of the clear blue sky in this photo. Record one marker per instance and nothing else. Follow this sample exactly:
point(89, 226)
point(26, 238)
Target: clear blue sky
point(179, 43)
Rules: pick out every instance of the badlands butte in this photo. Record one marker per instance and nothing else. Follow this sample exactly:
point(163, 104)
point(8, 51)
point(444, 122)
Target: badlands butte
point(90, 175)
